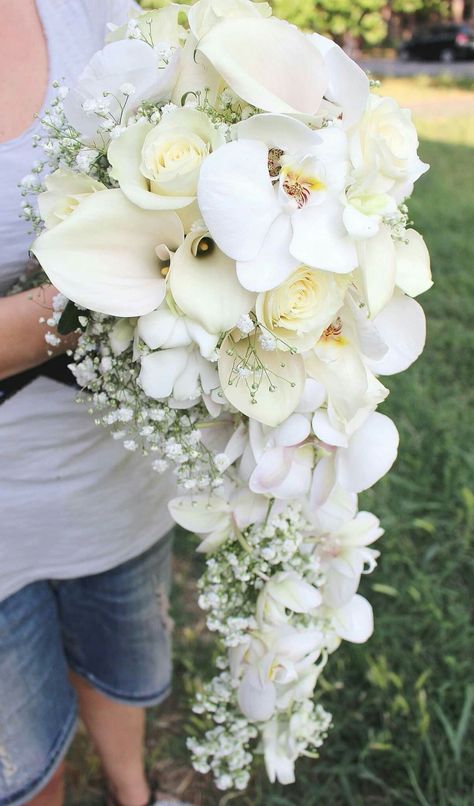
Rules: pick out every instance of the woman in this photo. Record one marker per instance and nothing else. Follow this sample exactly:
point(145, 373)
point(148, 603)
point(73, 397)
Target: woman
point(83, 569)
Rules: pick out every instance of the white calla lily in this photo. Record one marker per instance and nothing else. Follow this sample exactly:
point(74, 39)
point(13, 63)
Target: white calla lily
point(267, 63)
point(204, 284)
point(103, 255)
point(348, 84)
point(377, 270)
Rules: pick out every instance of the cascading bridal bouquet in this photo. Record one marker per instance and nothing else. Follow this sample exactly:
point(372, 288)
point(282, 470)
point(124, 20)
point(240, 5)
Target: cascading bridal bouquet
point(226, 214)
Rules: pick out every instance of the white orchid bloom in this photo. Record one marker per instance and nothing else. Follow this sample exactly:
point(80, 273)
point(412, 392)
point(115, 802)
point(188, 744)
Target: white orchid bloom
point(348, 85)
point(205, 286)
point(285, 591)
point(273, 657)
point(354, 621)
point(346, 556)
point(98, 93)
point(284, 473)
point(268, 63)
point(282, 462)
point(271, 200)
point(202, 16)
point(368, 455)
point(338, 363)
point(103, 255)
point(180, 373)
point(64, 191)
point(215, 519)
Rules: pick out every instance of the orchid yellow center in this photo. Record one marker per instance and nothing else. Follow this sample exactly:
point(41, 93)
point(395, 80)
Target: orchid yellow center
point(300, 186)
point(333, 333)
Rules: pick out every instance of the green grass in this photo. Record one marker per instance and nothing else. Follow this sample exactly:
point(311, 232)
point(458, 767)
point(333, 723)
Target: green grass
point(402, 703)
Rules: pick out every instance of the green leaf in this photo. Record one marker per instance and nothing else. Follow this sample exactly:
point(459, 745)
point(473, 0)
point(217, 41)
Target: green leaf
point(69, 321)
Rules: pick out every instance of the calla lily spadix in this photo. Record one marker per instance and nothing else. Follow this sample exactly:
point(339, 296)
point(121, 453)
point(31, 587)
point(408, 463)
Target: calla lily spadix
point(103, 255)
point(268, 63)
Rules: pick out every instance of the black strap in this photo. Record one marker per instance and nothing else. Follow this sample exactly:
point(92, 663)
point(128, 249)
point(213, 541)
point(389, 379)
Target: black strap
point(56, 368)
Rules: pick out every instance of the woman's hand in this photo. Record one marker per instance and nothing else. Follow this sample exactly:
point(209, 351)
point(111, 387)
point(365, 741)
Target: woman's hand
point(22, 342)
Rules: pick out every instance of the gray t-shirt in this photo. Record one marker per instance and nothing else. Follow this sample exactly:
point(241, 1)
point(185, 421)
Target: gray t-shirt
point(72, 501)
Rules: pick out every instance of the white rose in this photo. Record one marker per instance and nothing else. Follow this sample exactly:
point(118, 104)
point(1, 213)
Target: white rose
point(64, 191)
point(386, 142)
point(299, 310)
point(157, 167)
point(207, 13)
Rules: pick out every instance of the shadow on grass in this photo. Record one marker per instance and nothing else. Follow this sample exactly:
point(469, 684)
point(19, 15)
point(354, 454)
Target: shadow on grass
point(402, 703)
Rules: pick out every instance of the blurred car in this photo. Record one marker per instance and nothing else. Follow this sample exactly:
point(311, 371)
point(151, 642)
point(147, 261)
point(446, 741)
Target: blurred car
point(445, 43)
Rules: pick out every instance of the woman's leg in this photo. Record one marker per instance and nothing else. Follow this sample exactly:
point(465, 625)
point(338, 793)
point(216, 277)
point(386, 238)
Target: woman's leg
point(118, 733)
point(53, 793)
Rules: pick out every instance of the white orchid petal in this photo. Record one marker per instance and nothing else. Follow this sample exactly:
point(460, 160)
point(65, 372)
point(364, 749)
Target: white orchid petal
point(237, 199)
point(279, 131)
point(162, 328)
point(160, 370)
point(257, 699)
point(326, 432)
point(293, 431)
point(377, 263)
point(267, 63)
point(413, 265)
point(324, 479)
point(313, 397)
point(371, 453)
point(274, 263)
point(103, 255)
point(320, 239)
point(402, 326)
point(201, 514)
point(348, 83)
point(355, 621)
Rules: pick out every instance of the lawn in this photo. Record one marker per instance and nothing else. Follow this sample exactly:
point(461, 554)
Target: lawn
point(402, 704)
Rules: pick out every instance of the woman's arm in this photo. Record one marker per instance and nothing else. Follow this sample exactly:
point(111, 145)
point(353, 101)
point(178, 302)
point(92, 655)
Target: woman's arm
point(22, 342)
